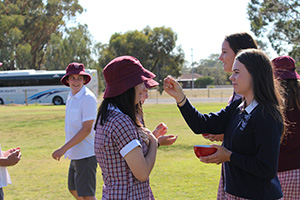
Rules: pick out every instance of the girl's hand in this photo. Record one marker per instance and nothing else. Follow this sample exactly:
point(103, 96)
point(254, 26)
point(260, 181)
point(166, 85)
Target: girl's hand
point(160, 130)
point(167, 140)
point(212, 138)
point(222, 155)
point(173, 88)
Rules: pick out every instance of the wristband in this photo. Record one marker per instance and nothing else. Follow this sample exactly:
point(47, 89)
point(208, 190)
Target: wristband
point(181, 100)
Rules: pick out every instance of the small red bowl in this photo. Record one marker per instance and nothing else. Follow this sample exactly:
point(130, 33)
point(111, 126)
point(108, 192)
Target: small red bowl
point(204, 150)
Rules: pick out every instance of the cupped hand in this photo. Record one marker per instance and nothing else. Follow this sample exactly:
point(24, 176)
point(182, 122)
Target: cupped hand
point(13, 158)
point(160, 130)
point(221, 155)
point(166, 140)
point(6, 153)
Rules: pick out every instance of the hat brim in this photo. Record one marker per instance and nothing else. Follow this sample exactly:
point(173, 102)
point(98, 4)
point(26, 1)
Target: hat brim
point(63, 80)
point(122, 86)
point(284, 75)
point(151, 83)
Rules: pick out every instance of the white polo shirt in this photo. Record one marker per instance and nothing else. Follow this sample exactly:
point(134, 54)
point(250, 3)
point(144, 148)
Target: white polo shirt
point(80, 108)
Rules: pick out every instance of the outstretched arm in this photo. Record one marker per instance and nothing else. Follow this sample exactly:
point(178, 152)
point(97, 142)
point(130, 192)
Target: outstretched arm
point(174, 89)
point(82, 133)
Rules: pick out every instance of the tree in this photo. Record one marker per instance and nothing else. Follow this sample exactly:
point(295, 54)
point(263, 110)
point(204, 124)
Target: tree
point(132, 43)
point(74, 47)
point(279, 21)
point(27, 26)
point(156, 49)
point(212, 61)
point(212, 67)
point(202, 82)
point(164, 58)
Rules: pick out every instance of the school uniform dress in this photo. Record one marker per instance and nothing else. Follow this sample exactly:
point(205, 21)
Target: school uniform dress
point(253, 136)
point(117, 137)
point(221, 191)
point(289, 157)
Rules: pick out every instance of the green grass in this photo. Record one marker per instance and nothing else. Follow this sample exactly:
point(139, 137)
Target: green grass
point(39, 130)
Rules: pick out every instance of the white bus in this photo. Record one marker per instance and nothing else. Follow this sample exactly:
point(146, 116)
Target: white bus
point(38, 86)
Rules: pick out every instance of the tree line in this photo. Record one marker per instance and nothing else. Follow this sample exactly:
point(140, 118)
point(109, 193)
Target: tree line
point(34, 35)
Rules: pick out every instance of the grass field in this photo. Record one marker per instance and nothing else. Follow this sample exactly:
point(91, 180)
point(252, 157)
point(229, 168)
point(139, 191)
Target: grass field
point(39, 130)
point(197, 93)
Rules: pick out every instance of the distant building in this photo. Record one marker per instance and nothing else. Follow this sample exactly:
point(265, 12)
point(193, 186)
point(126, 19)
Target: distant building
point(187, 79)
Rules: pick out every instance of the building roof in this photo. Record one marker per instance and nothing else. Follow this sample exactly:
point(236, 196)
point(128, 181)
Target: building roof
point(189, 77)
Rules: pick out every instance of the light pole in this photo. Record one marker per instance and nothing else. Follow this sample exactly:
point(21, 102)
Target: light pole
point(192, 69)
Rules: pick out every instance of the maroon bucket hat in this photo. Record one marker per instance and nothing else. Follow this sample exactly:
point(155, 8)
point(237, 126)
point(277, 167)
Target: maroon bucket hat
point(151, 83)
point(284, 68)
point(123, 73)
point(75, 68)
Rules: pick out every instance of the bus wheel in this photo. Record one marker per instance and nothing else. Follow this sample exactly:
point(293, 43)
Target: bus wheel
point(1, 101)
point(57, 100)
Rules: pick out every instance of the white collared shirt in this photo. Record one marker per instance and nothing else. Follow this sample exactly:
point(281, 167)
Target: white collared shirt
point(132, 144)
point(250, 107)
point(80, 107)
point(4, 175)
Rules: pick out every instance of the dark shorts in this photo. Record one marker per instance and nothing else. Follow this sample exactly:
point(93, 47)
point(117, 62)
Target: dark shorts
point(82, 176)
point(1, 194)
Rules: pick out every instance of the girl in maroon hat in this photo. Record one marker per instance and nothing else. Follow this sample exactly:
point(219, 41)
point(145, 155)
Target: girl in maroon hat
point(289, 162)
point(126, 158)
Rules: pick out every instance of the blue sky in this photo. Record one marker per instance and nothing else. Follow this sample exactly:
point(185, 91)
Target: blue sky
point(201, 25)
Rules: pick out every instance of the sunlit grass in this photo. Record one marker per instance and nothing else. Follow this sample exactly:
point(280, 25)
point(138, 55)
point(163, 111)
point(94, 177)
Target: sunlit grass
point(39, 130)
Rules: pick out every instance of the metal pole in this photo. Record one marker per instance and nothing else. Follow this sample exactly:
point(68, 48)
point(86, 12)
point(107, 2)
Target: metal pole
point(208, 92)
point(26, 98)
point(192, 69)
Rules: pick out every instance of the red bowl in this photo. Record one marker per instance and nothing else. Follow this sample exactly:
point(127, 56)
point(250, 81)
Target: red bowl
point(204, 150)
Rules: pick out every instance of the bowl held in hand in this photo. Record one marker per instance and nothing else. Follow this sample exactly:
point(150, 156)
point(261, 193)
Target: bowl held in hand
point(203, 150)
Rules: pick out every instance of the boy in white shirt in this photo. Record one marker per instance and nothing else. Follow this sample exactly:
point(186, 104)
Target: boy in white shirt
point(81, 111)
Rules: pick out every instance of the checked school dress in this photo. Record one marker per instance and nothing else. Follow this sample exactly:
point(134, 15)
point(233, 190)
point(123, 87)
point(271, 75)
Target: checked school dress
point(117, 137)
point(289, 162)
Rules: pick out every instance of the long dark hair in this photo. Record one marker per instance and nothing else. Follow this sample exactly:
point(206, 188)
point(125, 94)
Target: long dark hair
point(292, 93)
point(239, 41)
point(125, 102)
point(265, 88)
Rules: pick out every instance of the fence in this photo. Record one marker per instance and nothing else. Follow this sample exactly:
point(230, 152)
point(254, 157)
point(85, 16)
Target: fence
point(194, 95)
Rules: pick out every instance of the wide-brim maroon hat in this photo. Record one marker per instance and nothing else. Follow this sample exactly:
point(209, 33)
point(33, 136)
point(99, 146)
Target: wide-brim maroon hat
point(75, 68)
point(123, 73)
point(151, 83)
point(284, 68)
